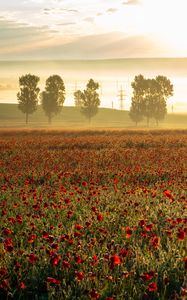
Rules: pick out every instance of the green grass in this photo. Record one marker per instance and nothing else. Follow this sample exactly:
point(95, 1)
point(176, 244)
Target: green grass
point(10, 116)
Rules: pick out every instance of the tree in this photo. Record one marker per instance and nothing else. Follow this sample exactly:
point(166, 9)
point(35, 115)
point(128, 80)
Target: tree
point(28, 95)
point(78, 98)
point(149, 98)
point(53, 97)
point(135, 111)
point(165, 90)
point(90, 100)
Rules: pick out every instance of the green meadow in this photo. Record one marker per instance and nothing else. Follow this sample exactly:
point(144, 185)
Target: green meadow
point(10, 116)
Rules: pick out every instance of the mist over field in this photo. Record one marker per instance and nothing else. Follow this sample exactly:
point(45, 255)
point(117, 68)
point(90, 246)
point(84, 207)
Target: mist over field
point(112, 75)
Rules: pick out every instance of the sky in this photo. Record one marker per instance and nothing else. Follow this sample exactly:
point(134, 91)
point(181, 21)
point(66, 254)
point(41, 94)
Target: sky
point(79, 29)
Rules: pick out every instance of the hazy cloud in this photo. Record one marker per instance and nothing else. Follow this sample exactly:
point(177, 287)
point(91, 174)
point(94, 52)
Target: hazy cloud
point(14, 35)
point(89, 19)
point(131, 2)
point(112, 10)
point(66, 24)
point(103, 46)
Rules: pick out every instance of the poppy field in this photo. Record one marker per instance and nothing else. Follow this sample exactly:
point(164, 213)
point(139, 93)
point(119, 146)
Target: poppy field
point(93, 214)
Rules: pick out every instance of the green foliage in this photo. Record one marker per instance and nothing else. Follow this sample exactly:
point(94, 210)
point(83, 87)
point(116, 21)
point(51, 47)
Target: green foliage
point(149, 98)
point(54, 96)
point(78, 98)
point(90, 100)
point(28, 95)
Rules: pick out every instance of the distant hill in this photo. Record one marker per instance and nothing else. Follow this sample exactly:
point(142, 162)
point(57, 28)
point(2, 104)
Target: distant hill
point(10, 116)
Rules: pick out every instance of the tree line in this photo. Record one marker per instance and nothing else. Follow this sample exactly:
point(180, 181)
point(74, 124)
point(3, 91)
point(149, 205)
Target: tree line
point(148, 100)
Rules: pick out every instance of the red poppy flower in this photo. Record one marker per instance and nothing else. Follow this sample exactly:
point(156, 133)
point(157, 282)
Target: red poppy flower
point(128, 232)
point(78, 259)
point(8, 245)
point(31, 238)
point(152, 287)
point(4, 284)
point(66, 264)
point(7, 231)
point(79, 275)
point(181, 234)
point(94, 294)
point(99, 217)
point(78, 226)
point(168, 194)
point(22, 285)
point(55, 260)
point(32, 258)
point(155, 241)
point(115, 260)
point(149, 227)
point(51, 280)
point(146, 276)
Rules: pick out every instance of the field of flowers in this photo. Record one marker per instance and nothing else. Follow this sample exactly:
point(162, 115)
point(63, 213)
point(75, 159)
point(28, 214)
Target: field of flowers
point(93, 215)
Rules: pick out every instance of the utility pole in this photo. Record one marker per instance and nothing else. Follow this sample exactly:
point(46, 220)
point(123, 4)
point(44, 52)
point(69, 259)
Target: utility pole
point(121, 96)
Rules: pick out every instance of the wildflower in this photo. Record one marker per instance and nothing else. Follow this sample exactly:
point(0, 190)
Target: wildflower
point(155, 241)
point(31, 238)
point(94, 294)
point(128, 232)
point(152, 287)
point(181, 234)
point(79, 275)
point(22, 285)
point(146, 276)
point(8, 245)
point(115, 260)
point(32, 258)
point(52, 280)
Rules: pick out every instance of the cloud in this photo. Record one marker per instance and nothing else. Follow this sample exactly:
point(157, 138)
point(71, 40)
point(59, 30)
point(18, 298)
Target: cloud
point(131, 2)
point(89, 19)
point(112, 10)
point(15, 36)
point(66, 24)
point(101, 46)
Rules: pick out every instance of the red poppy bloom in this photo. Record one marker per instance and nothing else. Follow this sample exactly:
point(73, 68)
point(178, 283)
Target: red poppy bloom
point(66, 264)
point(155, 241)
point(51, 280)
point(55, 260)
point(99, 217)
point(128, 232)
point(78, 226)
point(78, 259)
point(115, 260)
point(4, 284)
point(32, 258)
point(7, 231)
point(79, 275)
point(146, 276)
point(168, 194)
point(8, 245)
point(22, 285)
point(181, 234)
point(94, 294)
point(152, 287)
point(31, 238)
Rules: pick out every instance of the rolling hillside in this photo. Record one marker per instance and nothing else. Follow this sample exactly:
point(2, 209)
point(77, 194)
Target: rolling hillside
point(10, 116)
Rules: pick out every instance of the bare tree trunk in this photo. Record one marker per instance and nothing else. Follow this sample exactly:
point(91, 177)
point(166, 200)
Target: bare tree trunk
point(27, 117)
point(147, 121)
point(49, 118)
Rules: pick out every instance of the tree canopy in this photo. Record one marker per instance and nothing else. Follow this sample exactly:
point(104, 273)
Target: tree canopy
point(90, 99)
point(149, 98)
point(28, 95)
point(53, 97)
